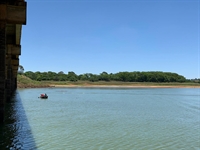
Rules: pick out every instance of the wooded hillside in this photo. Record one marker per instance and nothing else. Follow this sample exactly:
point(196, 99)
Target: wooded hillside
point(104, 76)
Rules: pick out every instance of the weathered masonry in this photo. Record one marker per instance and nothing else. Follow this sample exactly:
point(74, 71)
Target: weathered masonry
point(12, 16)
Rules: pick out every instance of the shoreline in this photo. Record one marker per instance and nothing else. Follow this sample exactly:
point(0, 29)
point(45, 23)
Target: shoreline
point(122, 86)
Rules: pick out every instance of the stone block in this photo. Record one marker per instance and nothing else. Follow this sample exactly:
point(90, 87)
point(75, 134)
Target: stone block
point(13, 14)
point(13, 49)
point(15, 62)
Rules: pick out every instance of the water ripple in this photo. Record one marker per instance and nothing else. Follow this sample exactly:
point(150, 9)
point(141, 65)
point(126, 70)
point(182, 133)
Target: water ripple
point(107, 119)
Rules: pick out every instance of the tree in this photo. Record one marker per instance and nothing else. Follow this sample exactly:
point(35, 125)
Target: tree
point(30, 74)
point(20, 69)
point(104, 76)
point(72, 76)
point(52, 75)
point(94, 78)
point(83, 77)
point(61, 72)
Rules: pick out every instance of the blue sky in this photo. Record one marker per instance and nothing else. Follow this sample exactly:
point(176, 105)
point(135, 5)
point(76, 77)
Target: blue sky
point(92, 36)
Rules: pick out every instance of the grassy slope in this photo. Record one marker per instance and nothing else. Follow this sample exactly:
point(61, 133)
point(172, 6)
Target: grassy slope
point(25, 82)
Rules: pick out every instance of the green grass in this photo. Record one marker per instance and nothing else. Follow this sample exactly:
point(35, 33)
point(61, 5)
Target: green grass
point(23, 82)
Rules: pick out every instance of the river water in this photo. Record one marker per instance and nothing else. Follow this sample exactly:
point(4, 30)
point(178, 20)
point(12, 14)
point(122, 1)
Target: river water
point(103, 119)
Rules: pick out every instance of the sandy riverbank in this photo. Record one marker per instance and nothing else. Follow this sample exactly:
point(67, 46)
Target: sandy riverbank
point(122, 86)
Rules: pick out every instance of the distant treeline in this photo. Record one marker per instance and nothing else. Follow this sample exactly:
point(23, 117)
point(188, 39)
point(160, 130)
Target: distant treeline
point(153, 76)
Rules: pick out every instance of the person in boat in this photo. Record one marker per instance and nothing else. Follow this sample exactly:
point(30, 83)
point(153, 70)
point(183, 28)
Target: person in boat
point(44, 95)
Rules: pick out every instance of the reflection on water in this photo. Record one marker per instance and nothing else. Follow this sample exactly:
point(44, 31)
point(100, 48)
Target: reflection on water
point(103, 119)
point(15, 133)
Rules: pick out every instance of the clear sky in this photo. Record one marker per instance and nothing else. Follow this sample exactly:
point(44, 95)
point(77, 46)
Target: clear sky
point(92, 36)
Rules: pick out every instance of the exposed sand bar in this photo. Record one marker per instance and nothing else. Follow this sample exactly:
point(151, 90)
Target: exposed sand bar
point(124, 86)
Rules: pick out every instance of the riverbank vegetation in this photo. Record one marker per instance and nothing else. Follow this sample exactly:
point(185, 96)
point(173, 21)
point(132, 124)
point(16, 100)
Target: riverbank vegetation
point(104, 76)
point(47, 79)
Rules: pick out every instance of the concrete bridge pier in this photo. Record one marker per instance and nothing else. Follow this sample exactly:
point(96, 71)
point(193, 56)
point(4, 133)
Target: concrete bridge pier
point(12, 16)
point(2, 69)
point(12, 63)
point(9, 83)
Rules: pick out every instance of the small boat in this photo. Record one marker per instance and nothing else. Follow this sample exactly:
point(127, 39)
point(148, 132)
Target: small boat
point(44, 96)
